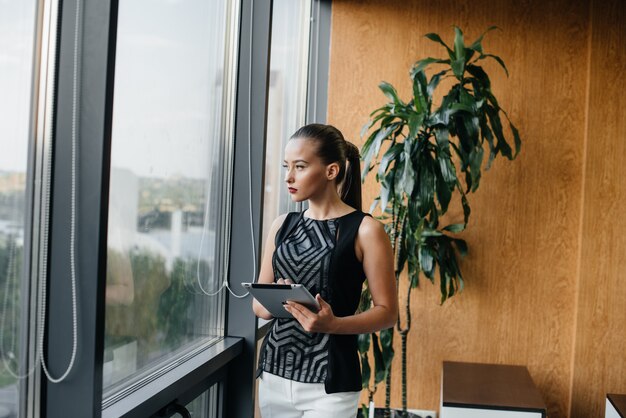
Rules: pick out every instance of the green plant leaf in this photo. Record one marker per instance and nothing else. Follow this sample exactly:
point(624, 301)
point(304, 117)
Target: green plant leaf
point(423, 63)
point(436, 38)
point(398, 185)
point(390, 155)
point(461, 246)
point(365, 300)
point(442, 137)
point(420, 92)
point(413, 263)
point(386, 345)
point(365, 411)
point(408, 176)
point(364, 342)
point(476, 159)
point(379, 364)
point(497, 58)
point(426, 186)
point(481, 76)
point(466, 208)
point(496, 125)
point(516, 138)
point(366, 371)
point(486, 133)
point(465, 98)
point(431, 233)
point(374, 204)
point(371, 148)
point(444, 190)
point(427, 260)
point(434, 82)
point(415, 123)
point(448, 171)
point(459, 45)
point(477, 44)
point(458, 63)
point(385, 190)
point(444, 282)
point(458, 68)
point(455, 228)
point(390, 92)
point(460, 107)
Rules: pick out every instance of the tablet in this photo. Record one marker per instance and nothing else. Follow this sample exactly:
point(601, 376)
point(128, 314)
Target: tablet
point(272, 296)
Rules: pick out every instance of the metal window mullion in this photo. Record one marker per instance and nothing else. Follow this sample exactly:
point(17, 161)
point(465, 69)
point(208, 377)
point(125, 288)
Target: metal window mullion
point(251, 119)
point(80, 394)
point(36, 203)
point(228, 133)
point(317, 98)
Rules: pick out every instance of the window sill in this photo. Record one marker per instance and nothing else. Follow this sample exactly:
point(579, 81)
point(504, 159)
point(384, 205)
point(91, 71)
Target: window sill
point(150, 398)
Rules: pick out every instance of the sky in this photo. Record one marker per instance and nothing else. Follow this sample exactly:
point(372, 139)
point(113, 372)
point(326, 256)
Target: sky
point(168, 85)
point(17, 24)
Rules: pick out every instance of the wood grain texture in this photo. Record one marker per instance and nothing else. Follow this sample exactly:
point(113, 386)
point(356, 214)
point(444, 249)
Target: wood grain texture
point(600, 356)
point(488, 386)
point(519, 303)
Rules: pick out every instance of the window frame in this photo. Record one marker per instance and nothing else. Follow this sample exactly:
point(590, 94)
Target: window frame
point(98, 31)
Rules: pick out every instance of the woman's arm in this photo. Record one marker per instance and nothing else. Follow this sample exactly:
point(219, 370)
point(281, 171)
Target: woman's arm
point(266, 275)
point(373, 243)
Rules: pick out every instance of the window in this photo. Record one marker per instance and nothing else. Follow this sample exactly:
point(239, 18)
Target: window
point(171, 138)
point(17, 62)
point(205, 405)
point(287, 98)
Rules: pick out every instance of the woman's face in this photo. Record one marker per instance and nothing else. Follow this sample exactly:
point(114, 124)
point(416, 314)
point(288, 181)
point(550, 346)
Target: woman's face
point(305, 174)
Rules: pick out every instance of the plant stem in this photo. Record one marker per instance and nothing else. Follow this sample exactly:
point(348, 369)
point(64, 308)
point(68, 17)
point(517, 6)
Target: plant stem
point(388, 389)
point(404, 334)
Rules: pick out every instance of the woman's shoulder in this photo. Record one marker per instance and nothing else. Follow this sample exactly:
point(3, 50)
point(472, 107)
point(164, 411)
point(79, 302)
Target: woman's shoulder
point(371, 228)
point(278, 221)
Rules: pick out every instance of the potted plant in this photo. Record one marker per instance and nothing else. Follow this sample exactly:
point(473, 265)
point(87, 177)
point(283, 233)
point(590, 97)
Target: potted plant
point(422, 154)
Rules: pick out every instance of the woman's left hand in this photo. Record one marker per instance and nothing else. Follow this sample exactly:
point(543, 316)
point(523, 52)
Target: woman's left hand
point(322, 321)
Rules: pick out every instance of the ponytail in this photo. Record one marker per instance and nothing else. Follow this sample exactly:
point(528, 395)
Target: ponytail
point(350, 187)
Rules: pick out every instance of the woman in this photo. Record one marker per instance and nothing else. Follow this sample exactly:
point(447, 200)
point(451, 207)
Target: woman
point(309, 365)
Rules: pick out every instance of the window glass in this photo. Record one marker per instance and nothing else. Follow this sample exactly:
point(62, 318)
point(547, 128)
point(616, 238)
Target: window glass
point(205, 405)
point(17, 36)
point(287, 98)
point(168, 171)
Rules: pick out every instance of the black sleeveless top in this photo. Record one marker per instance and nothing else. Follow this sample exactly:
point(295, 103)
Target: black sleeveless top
point(320, 255)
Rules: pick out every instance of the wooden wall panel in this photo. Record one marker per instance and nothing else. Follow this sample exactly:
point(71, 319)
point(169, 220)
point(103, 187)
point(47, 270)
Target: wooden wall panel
point(600, 361)
point(519, 302)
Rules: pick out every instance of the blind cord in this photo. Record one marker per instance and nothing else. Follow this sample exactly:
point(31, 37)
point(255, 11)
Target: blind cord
point(43, 278)
point(225, 283)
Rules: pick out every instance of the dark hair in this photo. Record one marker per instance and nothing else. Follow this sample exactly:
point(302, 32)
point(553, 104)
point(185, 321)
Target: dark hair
point(331, 148)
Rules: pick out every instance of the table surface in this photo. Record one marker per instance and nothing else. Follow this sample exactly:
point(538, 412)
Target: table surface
point(619, 402)
point(489, 386)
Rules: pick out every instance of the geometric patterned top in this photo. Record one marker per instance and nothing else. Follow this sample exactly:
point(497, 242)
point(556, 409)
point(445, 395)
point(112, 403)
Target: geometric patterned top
point(304, 257)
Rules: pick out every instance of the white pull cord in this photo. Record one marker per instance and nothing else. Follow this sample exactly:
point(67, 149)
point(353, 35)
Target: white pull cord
point(39, 349)
point(43, 278)
point(225, 283)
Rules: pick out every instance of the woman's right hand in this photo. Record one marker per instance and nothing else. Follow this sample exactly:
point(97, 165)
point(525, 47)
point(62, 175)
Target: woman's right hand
point(284, 281)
